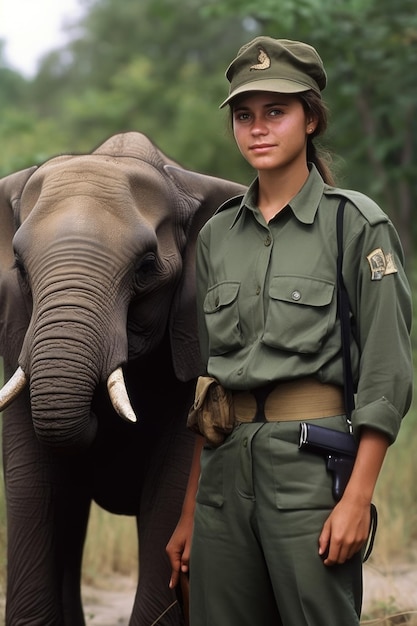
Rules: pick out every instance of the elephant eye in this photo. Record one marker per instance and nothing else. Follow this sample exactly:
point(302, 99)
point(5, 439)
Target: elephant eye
point(145, 268)
point(22, 273)
point(146, 264)
point(19, 265)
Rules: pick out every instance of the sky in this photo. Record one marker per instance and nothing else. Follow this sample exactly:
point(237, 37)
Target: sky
point(31, 28)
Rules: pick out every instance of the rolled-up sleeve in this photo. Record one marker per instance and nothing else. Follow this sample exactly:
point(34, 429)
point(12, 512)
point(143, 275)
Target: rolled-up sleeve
point(382, 308)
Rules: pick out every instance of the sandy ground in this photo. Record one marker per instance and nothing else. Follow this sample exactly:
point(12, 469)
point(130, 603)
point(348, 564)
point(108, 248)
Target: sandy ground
point(396, 589)
point(109, 606)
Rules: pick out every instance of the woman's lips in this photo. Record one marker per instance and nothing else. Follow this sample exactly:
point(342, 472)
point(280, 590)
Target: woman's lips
point(262, 147)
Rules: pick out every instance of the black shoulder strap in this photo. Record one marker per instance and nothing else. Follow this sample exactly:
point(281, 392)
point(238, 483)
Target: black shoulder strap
point(344, 316)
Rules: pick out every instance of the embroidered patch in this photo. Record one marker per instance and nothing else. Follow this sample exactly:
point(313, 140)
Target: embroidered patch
point(381, 264)
point(264, 61)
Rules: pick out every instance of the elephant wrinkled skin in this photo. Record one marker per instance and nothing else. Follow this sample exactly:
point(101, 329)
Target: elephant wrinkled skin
point(96, 274)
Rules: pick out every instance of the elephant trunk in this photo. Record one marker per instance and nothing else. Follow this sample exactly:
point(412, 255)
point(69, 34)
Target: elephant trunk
point(62, 384)
point(71, 353)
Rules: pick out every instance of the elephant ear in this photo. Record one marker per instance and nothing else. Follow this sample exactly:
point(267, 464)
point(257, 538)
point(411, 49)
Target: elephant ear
point(11, 305)
point(204, 194)
point(11, 188)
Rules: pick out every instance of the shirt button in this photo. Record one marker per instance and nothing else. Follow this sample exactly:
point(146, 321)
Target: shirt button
point(268, 240)
point(245, 442)
point(296, 295)
point(240, 372)
point(258, 291)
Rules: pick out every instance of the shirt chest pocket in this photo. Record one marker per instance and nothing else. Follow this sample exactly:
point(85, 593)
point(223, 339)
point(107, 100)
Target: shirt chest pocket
point(222, 318)
point(301, 312)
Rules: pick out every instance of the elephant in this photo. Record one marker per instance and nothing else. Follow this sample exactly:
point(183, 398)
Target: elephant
point(98, 336)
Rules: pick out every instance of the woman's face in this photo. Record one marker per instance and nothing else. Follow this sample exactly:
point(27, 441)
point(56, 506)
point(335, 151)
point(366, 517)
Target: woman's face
point(271, 130)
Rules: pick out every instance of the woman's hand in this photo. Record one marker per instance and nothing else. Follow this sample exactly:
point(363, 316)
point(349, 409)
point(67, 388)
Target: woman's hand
point(345, 531)
point(178, 548)
point(347, 528)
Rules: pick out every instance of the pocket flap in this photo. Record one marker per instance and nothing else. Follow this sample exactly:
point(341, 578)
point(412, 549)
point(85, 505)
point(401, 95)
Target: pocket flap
point(220, 295)
point(302, 290)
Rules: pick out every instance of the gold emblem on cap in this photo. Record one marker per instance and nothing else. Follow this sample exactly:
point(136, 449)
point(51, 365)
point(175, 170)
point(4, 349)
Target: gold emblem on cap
point(381, 264)
point(264, 61)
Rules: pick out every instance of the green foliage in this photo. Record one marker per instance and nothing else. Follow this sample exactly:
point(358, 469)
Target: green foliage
point(158, 66)
point(117, 76)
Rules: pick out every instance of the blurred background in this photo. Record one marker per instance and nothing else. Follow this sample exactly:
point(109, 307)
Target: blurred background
point(69, 80)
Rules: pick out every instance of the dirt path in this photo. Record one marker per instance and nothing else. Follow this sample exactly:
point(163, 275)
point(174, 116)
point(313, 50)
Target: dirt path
point(111, 605)
point(393, 591)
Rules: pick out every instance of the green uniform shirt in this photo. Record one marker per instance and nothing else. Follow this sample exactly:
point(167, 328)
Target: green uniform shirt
point(266, 296)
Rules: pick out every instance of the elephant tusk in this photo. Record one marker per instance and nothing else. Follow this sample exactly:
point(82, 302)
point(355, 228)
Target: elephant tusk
point(12, 388)
point(118, 395)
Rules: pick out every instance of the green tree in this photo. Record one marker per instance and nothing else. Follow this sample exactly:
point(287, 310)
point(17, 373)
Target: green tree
point(155, 66)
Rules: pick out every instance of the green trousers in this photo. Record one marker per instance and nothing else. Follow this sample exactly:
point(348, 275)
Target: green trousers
point(261, 505)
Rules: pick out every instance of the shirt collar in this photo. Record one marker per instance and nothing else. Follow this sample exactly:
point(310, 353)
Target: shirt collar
point(304, 205)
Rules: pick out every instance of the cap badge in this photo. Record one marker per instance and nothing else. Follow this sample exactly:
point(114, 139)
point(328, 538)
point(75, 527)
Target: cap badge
point(381, 264)
point(264, 61)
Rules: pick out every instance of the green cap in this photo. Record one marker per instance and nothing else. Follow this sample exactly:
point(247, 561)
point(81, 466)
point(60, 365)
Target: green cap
point(279, 65)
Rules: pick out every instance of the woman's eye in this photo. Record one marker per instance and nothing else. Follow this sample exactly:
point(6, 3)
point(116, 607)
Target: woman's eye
point(241, 117)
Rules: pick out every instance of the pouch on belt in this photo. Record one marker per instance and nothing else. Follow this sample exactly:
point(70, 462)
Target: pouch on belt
point(212, 413)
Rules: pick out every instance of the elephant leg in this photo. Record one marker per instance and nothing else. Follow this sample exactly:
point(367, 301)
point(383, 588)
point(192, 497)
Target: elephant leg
point(161, 504)
point(45, 531)
point(74, 513)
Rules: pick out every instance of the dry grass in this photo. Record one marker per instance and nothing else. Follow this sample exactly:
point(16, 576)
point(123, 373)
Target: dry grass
point(396, 498)
point(392, 619)
point(111, 546)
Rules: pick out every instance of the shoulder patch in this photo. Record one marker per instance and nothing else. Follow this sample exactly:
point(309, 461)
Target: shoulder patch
point(381, 264)
point(230, 203)
point(365, 205)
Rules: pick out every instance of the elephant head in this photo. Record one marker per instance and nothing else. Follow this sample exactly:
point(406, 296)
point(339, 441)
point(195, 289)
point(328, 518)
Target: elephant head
point(96, 266)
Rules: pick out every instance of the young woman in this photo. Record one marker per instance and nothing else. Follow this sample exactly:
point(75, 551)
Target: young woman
point(270, 545)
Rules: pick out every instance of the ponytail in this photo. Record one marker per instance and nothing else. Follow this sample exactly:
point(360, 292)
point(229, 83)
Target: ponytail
point(314, 106)
point(322, 162)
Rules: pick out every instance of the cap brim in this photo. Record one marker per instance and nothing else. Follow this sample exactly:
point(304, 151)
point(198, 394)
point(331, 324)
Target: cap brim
point(276, 85)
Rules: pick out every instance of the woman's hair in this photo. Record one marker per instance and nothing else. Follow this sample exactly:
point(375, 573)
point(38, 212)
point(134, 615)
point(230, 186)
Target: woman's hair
point(314, 106)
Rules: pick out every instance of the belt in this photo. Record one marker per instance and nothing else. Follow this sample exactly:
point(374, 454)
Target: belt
point(305, 398)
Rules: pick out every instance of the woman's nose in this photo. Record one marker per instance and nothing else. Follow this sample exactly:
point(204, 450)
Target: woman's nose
point(259, 127)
